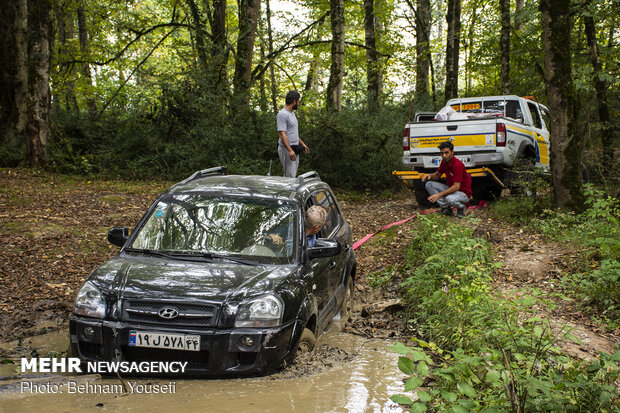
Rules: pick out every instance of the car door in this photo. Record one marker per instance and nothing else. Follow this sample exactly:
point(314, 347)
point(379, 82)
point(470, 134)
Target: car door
point(333, 229)
point(541, 136)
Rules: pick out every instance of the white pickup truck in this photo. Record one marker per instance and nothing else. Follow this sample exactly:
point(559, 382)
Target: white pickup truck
point(493, 132)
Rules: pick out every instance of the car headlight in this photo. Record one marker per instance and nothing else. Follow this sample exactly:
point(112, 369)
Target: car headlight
point(89, 301)
point(264, 311)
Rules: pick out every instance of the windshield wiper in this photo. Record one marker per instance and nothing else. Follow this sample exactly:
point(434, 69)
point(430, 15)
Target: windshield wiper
point(211, 256)
point(149, 252)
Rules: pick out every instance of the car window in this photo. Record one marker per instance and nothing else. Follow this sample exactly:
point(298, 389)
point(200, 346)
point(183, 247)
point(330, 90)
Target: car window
point(325, 199)
point(196, 223)
point(535, 115)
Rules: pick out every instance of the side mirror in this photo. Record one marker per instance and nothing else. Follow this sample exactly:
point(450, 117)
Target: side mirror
point(324, 248)
point(118, 236)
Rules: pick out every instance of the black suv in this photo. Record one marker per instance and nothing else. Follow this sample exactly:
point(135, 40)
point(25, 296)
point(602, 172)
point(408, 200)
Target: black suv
point(218, 273)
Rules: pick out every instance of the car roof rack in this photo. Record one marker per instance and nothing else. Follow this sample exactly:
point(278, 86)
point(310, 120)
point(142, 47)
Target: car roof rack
point(308, 175)
point(218, 170)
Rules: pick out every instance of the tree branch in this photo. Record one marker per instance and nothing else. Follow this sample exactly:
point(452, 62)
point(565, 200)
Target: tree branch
point(135, 70)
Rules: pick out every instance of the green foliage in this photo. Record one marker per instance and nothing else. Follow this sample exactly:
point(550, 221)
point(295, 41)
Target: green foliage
point(449, 275)
point(189, 129)
point(483, 353)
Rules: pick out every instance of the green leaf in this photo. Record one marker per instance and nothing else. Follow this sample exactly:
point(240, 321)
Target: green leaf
point(7, 361)
point(418, 408)
point(413, 383)
point(406, 365)
point(400, 348)
point(448, 396)
point(616, 356)
point(422, 369)
point(538, 331)
point(400, 399)
point(466, 390)
point(420, 355)
point(424, 396)
point(573, 338)
point(459, 409)
point(492, 377)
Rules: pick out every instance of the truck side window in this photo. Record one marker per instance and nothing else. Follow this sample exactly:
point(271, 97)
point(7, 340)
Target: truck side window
point(535, 115)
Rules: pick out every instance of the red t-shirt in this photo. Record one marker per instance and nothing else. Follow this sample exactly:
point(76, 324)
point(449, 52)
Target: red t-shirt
point(455, 172)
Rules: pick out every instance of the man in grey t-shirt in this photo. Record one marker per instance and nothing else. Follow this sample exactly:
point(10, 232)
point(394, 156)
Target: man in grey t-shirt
point(289, 135)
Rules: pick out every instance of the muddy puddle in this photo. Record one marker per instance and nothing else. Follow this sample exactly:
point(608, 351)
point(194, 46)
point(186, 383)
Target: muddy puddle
point(346, 373)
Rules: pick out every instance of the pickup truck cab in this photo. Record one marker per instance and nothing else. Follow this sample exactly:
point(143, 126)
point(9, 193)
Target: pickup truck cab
point(491, 131)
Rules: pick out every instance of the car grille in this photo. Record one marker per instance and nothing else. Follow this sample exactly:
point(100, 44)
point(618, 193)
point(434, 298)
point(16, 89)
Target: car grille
point(200, 315)
point(194, 359)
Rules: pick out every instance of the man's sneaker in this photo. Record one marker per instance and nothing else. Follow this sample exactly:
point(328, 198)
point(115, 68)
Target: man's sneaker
point(446, 211)
point(460, 212)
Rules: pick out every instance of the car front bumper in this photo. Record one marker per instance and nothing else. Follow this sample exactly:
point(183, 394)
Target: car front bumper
point(222, 353)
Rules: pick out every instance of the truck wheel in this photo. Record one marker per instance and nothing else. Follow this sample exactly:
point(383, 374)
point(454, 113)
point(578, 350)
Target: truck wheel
point(421, 197)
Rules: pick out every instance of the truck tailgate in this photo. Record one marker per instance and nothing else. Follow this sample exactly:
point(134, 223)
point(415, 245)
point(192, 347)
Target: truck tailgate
point(471, 135)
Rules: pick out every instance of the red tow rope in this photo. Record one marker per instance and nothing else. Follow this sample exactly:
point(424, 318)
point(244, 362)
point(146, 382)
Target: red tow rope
point(359, 243)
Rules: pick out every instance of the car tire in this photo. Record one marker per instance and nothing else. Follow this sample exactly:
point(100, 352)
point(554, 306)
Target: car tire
point(306, 342)
point(347, 303)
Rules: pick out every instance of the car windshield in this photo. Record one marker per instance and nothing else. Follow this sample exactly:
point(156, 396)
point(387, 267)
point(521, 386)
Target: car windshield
point(215, 227)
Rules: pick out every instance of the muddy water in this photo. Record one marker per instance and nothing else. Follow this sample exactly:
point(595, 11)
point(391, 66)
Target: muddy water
point(347, 373)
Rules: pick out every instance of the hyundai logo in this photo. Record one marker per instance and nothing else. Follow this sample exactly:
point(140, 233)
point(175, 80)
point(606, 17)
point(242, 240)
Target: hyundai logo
point(168, 313)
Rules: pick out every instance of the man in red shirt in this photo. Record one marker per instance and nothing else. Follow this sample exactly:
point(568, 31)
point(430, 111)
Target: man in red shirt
point(458, 191)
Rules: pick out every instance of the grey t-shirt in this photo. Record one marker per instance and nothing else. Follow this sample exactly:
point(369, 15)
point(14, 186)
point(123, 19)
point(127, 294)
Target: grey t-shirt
point(287, 122)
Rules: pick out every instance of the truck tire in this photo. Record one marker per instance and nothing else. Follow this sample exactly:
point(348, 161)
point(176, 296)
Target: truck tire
point(421, 197)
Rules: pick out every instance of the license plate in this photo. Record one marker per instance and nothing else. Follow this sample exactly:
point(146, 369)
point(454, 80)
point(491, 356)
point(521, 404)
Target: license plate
point(167, 341)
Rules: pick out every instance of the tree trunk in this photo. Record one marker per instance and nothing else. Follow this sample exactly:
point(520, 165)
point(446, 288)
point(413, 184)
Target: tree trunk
point(37, 123)
point(372, 62)
point(219, 51)
point(85, 50)
point(272, 75)
point(601, 95)
point(504, 46)
point(66, 33)
point(199, 33)
point(315, 63)
point(422, 49)
point(248, 15)
point(452, 49)
point(566, 144)
point(336, 73)
point(12, 59)
point(519, 5)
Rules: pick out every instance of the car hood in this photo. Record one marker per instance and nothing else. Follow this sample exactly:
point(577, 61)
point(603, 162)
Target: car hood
point(147, 278)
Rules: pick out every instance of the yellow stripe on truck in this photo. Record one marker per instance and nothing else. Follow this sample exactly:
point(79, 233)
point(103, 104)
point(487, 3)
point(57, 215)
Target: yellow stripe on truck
point(457, 140)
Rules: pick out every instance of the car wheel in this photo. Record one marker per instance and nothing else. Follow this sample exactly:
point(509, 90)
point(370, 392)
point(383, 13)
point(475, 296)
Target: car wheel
point(347, 304)
point(306, 342)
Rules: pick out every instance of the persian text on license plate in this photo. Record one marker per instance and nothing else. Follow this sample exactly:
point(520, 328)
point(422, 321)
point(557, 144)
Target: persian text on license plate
point(160, 340)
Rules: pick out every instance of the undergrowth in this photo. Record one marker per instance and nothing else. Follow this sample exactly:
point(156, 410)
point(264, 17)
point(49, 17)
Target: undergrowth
point(476, 351)
point(597, 229)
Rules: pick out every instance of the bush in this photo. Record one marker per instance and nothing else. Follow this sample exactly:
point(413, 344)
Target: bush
point(190, 129)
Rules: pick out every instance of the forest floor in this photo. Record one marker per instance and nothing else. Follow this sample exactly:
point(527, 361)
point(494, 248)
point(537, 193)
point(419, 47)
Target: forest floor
point(53, 234)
